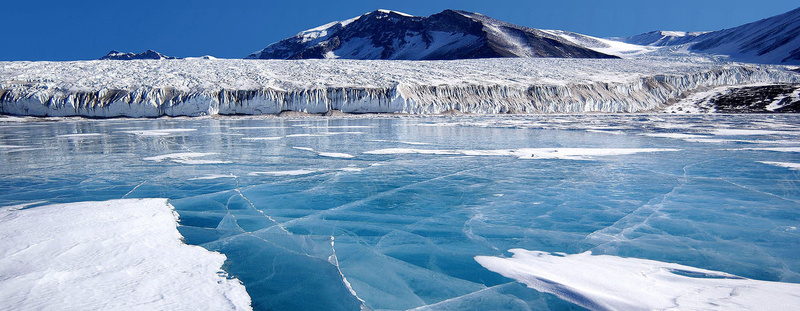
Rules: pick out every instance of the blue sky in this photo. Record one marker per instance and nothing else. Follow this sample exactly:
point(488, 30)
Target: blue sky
point(79, 30)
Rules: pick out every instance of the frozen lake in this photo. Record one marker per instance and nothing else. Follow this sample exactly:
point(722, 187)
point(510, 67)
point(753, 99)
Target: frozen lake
point(390, 212)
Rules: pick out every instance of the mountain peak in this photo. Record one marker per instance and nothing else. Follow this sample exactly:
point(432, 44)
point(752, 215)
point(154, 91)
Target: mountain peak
point(450, 34)
point(149, 54)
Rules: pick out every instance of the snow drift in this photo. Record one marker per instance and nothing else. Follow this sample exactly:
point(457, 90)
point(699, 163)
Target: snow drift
point(604, 282)
point(111, 255)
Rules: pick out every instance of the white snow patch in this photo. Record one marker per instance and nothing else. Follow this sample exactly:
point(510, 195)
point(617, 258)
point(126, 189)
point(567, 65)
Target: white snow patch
point(335, 155)
point(605, 282)
point(749, 132)
point(674, 135)
point(285, 173)
point(111, 255)
point(215, 176)
point(396, 12)
point(263, 138)
point(794, 166)
point(399, 142)
point(528, 153)
point(164, 132)
point(327, 154)
point(776, 103)
point(776, 149)
point(186, 158)
point(80, 136)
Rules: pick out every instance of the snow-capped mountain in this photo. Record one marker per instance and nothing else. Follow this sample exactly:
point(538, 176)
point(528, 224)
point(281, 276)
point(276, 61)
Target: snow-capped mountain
point(149, 54)
point(774, 40)
point(662, 38)
point(451, 34)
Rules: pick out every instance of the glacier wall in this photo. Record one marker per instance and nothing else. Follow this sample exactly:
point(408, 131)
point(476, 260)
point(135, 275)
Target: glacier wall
point(46, 94)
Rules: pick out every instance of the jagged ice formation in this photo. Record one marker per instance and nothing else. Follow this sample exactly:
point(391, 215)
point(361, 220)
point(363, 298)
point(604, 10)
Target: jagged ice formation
point(195, 87)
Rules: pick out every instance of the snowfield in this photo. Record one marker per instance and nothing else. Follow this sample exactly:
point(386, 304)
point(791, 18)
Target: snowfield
point(195, 87)
point(111, 255)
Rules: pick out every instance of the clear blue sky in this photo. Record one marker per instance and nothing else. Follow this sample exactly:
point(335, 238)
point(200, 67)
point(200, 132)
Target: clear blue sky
point(79, 30)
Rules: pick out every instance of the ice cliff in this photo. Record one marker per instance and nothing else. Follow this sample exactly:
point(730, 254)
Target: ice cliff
point(195, 87)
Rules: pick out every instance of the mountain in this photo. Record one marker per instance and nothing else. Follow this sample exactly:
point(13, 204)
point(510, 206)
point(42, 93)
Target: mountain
point(149, 54)
point(451, 34)
point(774, 40)
point(662, 38)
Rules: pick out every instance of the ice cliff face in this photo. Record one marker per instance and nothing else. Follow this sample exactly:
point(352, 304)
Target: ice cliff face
point(194, 87)
point(774, 40)
point(450, 34)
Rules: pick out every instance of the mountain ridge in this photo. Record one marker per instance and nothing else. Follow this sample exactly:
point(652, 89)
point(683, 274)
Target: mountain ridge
point(149, 54)
point(772, 40)
point(450, 34)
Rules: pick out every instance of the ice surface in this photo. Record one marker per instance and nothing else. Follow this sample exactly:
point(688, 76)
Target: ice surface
point(110, 255)
point(615, 283)
point(408, 225)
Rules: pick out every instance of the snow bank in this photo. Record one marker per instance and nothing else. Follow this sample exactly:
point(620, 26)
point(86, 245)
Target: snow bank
point(112, 255)
point(613, 283)
point(193, 87)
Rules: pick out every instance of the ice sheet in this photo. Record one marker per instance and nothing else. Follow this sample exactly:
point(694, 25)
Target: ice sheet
point(110, 255)
point(605, 282)
point(407, 224)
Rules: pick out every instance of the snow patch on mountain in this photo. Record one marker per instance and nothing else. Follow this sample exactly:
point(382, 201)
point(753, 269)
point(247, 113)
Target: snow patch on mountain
point(385, 34)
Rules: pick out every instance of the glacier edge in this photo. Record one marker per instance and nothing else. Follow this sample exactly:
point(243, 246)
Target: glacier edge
point(43, 93)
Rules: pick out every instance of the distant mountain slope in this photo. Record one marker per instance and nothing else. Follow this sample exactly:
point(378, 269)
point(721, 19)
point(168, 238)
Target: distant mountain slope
point(149, 54)
point(450, 34)
point(662, 38)
point(774, 40)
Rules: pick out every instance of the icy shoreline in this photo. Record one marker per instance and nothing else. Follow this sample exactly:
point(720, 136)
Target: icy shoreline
point(111, 255)
point(194, 87)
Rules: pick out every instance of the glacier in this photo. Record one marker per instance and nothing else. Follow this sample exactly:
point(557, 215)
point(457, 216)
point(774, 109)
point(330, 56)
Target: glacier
point(197, 87)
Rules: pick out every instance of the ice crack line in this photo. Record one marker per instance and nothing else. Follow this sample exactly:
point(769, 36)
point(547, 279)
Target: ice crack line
point(134, 188)
point(651, 208)
point(335, 262)
point(253, 206)
point(384, 194)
